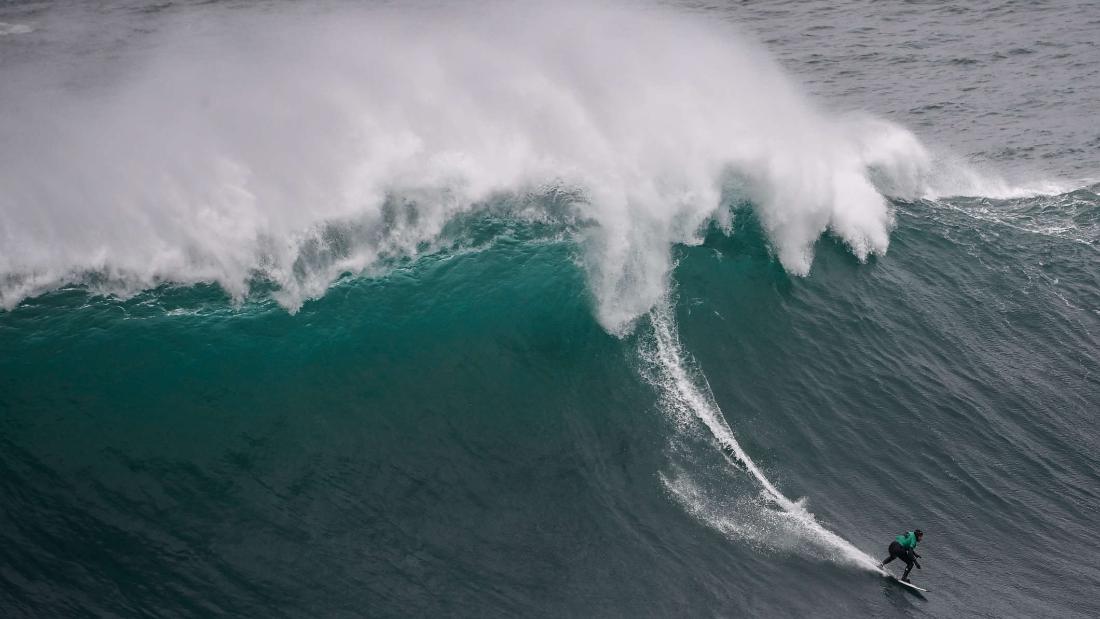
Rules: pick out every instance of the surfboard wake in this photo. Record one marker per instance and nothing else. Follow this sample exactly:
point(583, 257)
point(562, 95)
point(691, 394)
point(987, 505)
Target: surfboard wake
point(778, 522)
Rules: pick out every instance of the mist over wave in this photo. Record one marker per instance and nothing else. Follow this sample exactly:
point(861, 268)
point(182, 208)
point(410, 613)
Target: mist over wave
point(292, 149)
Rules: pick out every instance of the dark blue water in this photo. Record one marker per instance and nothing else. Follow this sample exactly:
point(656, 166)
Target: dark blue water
point(294, 331)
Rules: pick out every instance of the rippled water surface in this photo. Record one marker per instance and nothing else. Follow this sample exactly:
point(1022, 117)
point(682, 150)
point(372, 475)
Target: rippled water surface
point(478, 309)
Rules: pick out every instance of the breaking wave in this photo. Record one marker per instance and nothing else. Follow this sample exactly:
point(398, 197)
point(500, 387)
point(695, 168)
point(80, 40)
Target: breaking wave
point(290, 150)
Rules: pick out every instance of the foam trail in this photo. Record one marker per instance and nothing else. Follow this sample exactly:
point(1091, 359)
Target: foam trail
point(676, 384)
point(6, 29)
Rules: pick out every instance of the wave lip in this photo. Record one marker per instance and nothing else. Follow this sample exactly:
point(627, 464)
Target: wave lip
point(214, 161)
point(179, 172)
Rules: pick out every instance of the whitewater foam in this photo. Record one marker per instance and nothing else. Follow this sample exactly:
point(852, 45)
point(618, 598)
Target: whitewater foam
point(219, 160)
point(295, 148)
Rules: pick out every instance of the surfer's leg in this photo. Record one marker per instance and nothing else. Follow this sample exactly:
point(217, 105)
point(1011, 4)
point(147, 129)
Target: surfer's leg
point(908, 558)
point(895, 552)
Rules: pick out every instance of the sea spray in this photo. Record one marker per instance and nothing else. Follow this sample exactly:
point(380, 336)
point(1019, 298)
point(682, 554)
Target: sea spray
point(294, 148)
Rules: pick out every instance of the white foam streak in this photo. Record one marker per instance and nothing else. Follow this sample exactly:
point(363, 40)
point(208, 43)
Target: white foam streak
point(9, 29)
point(787, 525)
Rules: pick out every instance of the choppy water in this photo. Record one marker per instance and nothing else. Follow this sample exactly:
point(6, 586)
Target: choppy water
point(488, 310)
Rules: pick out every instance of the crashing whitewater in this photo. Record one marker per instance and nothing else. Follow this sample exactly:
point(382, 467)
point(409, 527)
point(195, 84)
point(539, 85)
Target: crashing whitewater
point(223, 154)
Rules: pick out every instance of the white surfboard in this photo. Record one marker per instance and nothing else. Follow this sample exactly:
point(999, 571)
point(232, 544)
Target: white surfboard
point(902, 582)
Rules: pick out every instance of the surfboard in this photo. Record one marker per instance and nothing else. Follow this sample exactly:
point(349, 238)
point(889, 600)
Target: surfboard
point(901, 582)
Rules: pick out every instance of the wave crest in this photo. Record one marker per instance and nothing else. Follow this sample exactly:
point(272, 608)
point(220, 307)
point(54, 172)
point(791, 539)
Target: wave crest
point(241, 142)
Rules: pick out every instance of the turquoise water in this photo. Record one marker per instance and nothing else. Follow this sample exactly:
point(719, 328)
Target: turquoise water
point(519, 400)
point(461, 436)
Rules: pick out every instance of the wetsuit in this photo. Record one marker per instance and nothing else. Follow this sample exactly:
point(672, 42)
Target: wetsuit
point(904, 547)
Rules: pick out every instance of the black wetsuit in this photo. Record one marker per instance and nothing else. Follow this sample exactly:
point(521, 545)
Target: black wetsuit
point(897, 551)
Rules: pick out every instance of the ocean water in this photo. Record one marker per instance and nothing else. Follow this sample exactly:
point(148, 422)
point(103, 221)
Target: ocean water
point(548, 309)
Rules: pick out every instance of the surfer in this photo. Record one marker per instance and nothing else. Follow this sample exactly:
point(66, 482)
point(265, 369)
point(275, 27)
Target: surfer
point(904, 547)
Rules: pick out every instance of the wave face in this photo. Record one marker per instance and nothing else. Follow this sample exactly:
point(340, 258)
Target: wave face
point(584, 311)
point(462, 435)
